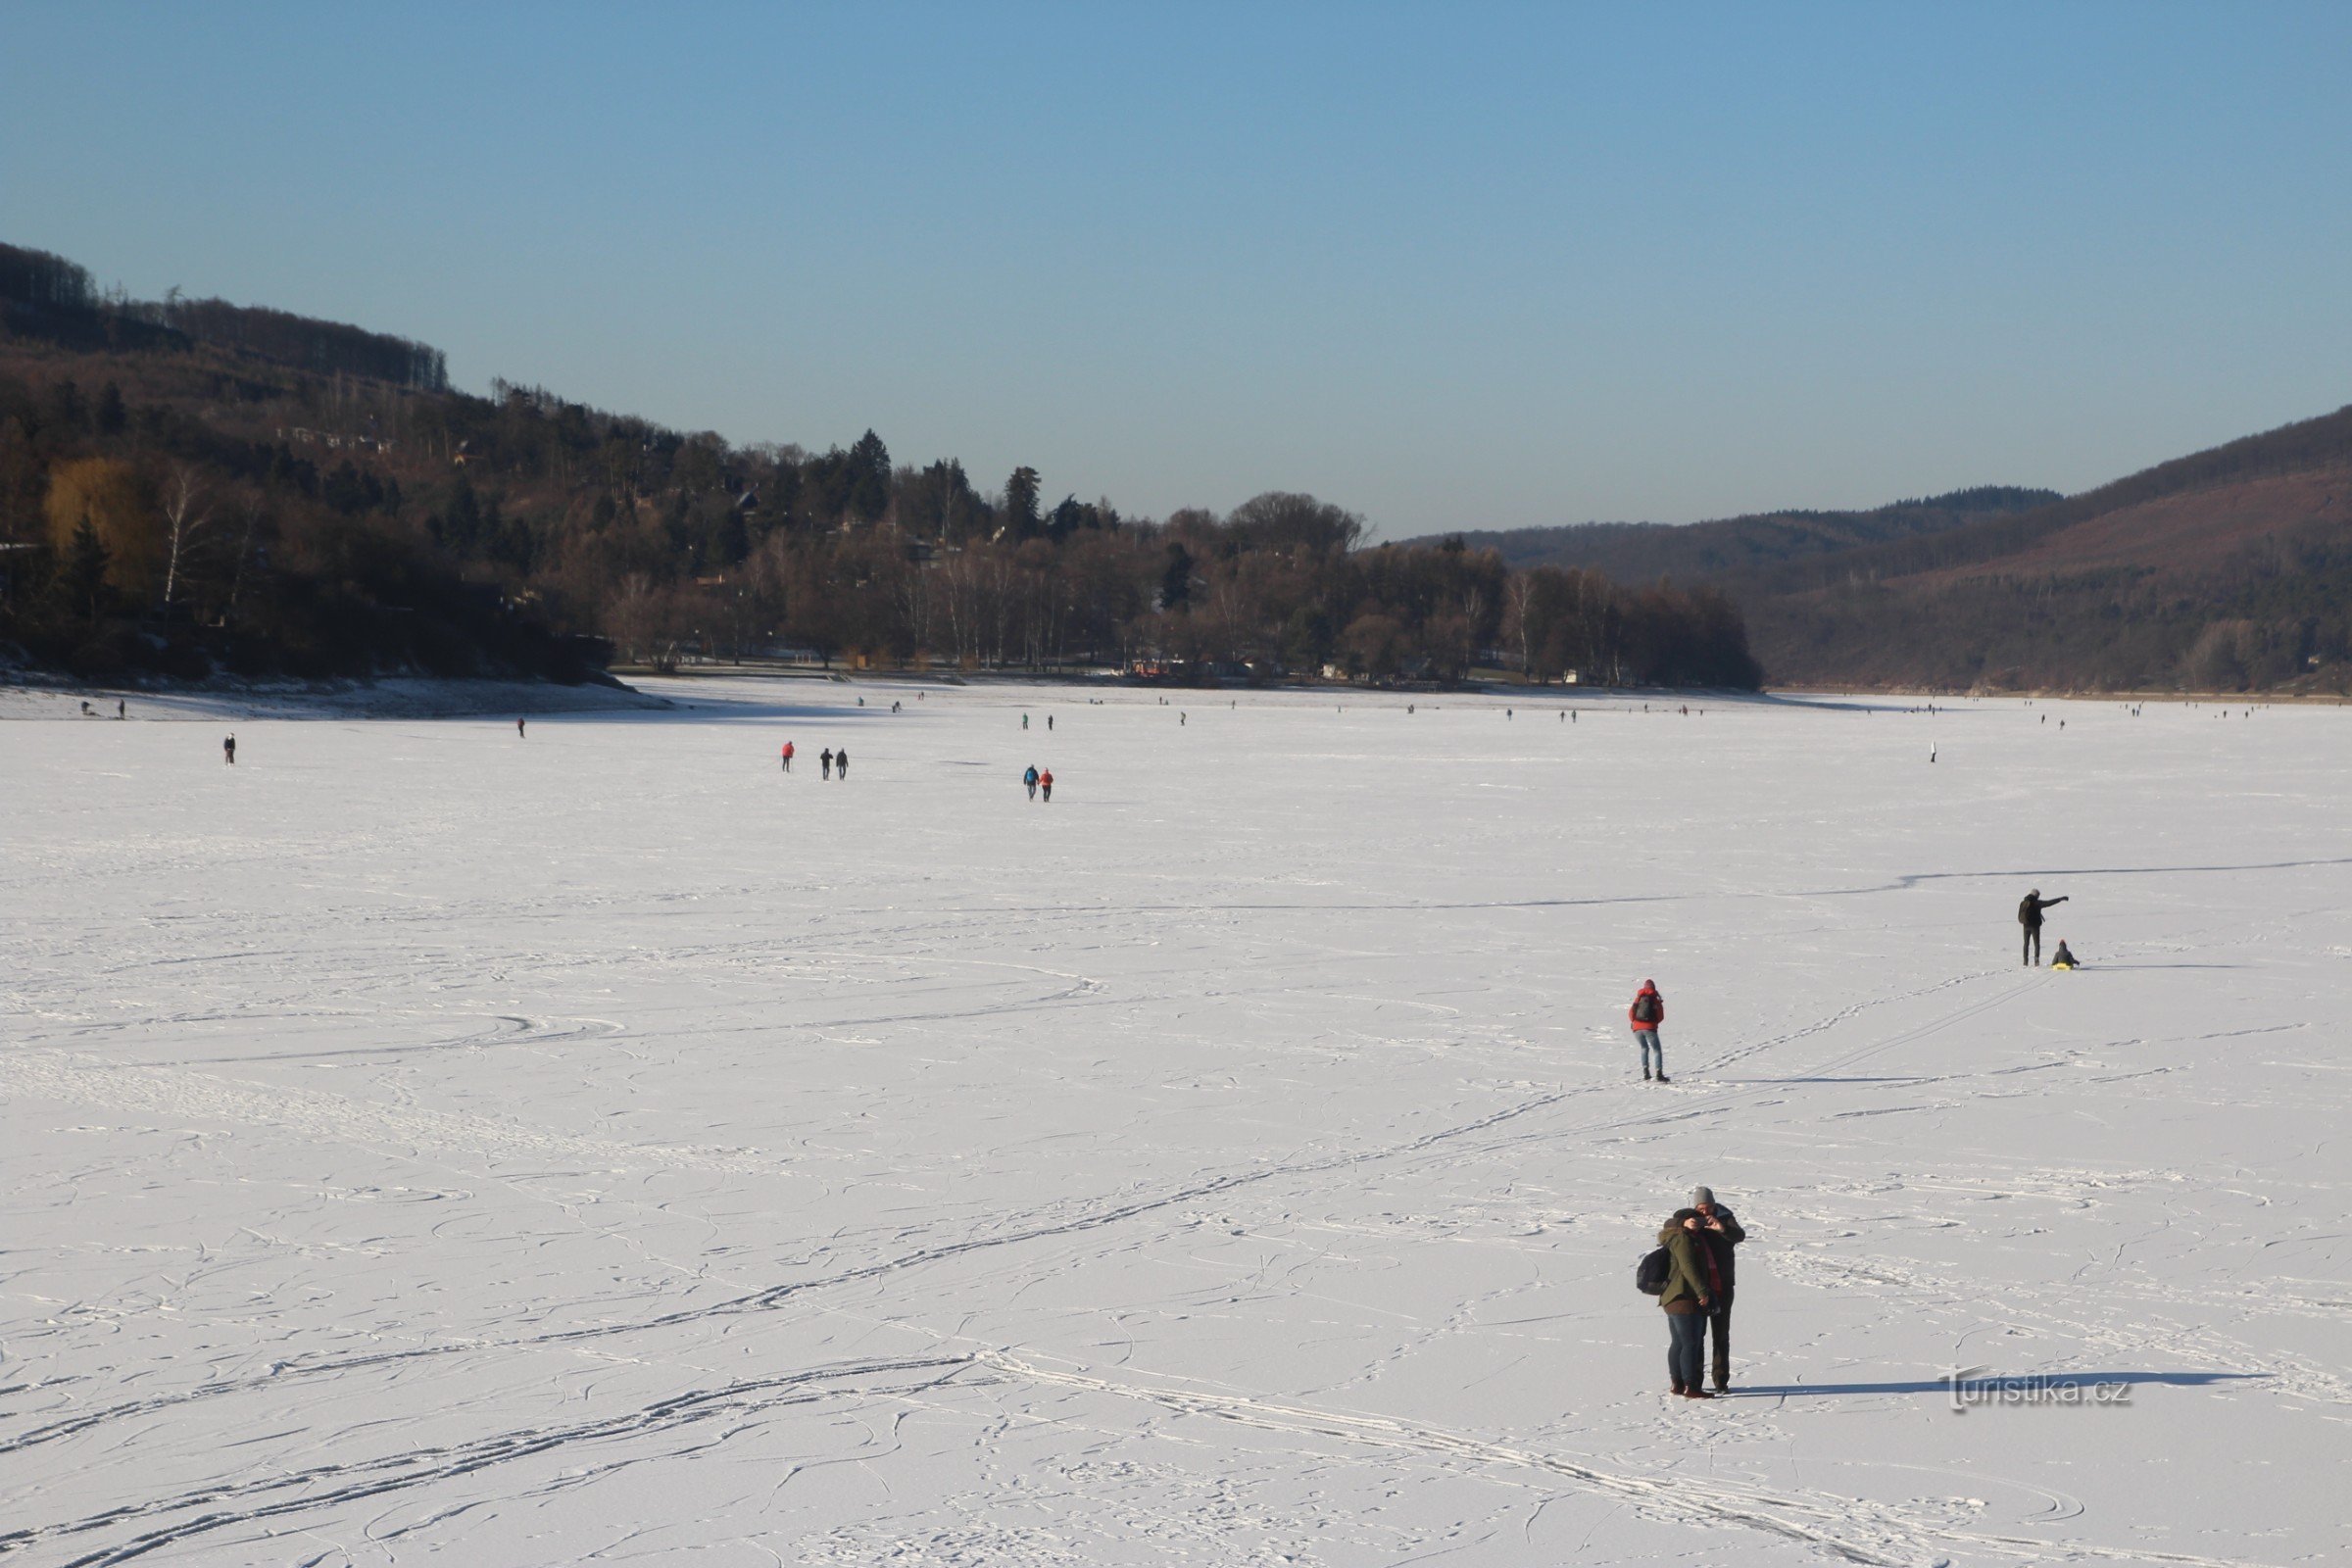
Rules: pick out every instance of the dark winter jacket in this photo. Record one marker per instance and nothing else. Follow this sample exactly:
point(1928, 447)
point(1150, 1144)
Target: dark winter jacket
point(1719, 1245)
point(1690, 1276)
point(2030, 907)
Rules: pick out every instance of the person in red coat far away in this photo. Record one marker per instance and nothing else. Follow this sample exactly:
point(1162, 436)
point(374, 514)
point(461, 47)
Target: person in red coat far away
point(1044, 785)
point(1646, 1014)
point(786, 753)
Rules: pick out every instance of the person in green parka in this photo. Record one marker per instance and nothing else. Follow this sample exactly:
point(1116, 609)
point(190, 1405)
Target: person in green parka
point(1693, 1284)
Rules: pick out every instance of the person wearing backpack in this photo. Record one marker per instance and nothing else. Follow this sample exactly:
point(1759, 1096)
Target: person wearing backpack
point(1646, 1014)
point(1689, 1298)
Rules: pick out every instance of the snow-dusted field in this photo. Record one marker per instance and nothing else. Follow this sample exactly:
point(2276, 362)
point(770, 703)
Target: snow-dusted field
point(424, 1143)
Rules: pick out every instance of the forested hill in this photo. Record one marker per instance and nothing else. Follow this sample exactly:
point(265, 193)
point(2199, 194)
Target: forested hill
point(1641, 551)
point(189, 487)
point(2227, 569)
point(2224, 570)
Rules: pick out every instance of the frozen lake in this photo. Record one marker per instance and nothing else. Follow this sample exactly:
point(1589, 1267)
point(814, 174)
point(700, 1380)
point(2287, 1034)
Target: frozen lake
point(425, 1141)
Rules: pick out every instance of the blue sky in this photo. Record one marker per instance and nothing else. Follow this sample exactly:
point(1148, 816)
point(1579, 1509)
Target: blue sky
point(1451, 265)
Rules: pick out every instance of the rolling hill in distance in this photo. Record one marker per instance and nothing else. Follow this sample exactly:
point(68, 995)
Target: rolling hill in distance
point(2227, 569)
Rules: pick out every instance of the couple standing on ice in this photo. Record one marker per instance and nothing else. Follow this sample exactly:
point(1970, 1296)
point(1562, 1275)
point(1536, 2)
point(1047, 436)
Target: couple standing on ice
point(1694, 1271)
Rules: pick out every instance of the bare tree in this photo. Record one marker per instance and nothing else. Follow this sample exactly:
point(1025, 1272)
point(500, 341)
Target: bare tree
point(1518, 591)
point(185, 512)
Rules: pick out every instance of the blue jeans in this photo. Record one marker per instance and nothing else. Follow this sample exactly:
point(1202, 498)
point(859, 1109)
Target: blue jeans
point(1648, 1039)
point(1685, 1354)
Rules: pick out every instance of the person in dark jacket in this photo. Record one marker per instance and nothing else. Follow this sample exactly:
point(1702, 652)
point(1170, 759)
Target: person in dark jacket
point(841, 763)
point(1719, 1231)
point(1689, 1295)
point(1030, 778)
point(824, 760)
point(2029, 916)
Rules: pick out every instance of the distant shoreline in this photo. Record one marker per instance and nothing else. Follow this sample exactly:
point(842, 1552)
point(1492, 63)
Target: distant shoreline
point(35, 698)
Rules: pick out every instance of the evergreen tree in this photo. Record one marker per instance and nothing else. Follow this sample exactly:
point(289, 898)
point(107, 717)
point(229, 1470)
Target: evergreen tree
point(869, 478)
point(1020, 502)
point(1176, 582)
point(111, 417)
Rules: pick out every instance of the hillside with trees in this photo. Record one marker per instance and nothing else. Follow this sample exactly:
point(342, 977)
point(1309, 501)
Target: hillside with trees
point(194, 486)
point(2230, 570)
point(1638, 552)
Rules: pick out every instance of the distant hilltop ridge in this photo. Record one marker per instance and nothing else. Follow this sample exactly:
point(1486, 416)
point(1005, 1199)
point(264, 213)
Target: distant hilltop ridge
point(2228, 569)
point(1639, 550)
point(45, 295)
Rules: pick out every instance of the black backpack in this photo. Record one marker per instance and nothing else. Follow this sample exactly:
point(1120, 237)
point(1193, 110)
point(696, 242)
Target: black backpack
point(1646, 1008)
point(1652, 1272)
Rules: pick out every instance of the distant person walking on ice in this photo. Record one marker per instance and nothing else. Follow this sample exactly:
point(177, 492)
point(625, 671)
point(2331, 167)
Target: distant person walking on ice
point(786, 754)
point(841, 762)
point(825, 760)
point(1646, 1014)
point(2029, 916)
point(1030, 778)
point(518, 729)
point(228, 751)
point(1692, 1290)
point(1045, 782)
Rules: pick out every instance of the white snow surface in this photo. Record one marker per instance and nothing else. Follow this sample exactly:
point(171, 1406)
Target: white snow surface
point(425, 1143)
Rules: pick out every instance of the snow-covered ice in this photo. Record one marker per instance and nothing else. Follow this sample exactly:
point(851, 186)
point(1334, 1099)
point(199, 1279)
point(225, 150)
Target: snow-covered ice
point(422, 1141)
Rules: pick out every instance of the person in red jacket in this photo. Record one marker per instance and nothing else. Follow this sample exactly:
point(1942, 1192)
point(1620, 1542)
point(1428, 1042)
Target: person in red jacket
point(786, 753)
point(1646, 1014)
point(1045, 784)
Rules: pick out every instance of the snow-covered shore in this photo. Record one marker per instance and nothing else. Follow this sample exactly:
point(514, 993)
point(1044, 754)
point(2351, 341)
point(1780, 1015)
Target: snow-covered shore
point(398, 698)
point(420, 1138)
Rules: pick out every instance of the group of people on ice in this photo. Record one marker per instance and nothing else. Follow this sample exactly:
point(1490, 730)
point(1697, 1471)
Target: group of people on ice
point(1694, 1272)
point(831, 761)
point(1039, 783)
